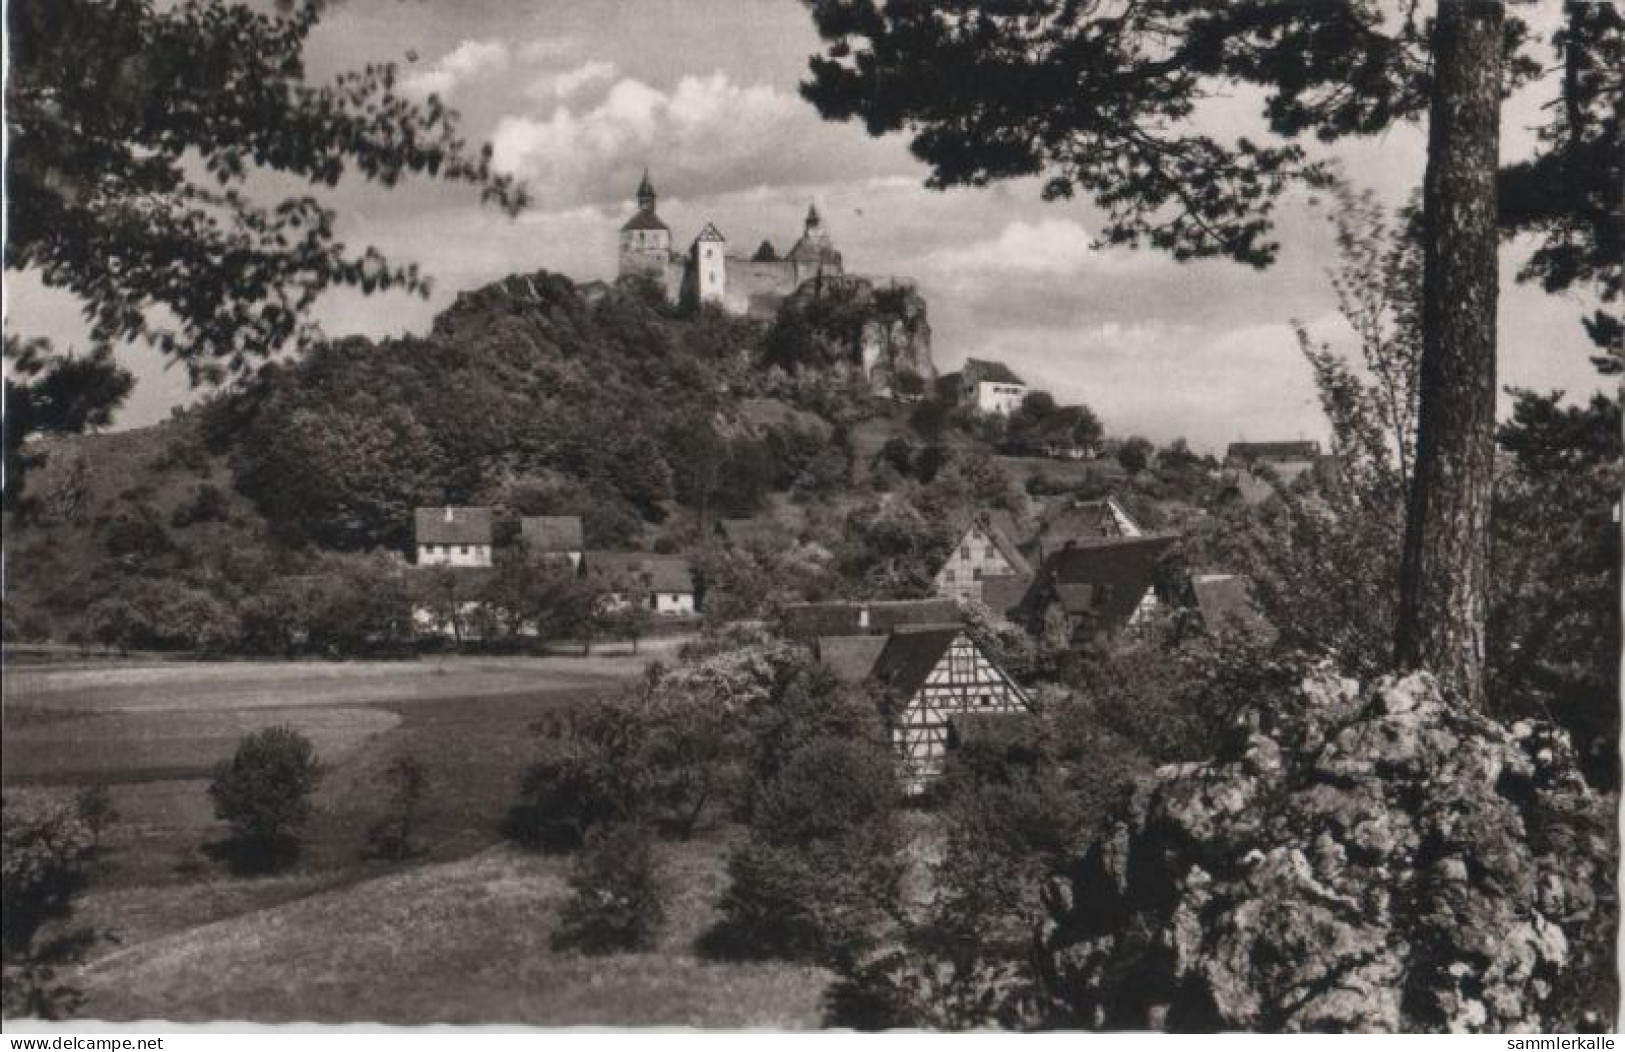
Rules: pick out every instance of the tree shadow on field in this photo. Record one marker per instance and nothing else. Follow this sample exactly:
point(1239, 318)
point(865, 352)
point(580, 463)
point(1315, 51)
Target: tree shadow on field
point(253, 858)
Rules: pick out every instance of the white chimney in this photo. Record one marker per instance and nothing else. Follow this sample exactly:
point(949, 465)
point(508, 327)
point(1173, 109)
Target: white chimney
point(863, 616)
point(449, 514)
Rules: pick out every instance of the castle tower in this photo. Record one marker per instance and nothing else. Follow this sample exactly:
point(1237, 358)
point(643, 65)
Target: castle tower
point(710, 265)
point(645, 240)
point(814, 254)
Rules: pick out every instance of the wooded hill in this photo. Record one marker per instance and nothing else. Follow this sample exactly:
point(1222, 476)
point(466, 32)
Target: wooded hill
point(534, 397)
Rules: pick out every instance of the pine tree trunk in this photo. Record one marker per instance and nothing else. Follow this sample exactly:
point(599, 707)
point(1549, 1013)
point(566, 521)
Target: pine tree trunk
point(1447, 536)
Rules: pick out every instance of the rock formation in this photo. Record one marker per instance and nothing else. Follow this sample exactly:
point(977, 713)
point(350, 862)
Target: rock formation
point(1369, 861)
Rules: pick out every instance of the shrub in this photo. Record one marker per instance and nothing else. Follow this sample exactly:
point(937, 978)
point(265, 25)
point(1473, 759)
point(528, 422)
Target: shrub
point(820, 875)
point(618, 894)
point(46, 857)
point(263, 792)
point(94, 806)
point(572, 789)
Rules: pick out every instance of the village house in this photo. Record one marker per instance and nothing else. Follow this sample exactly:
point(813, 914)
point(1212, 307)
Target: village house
point(452, 536)
point(1286, 460)
point(664, 583)
point(553, 535)
point(1080, 522)
point(1095, 591)
point(987, 387)
point(932, 680)
point(809, 622)
point(984, 554)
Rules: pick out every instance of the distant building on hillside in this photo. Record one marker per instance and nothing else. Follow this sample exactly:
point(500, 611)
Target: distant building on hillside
point(559, 535)
point(452, 536)
point(988, 387)
point(707, 272)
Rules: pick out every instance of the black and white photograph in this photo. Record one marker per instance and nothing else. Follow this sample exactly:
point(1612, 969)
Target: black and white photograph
point(813, 515)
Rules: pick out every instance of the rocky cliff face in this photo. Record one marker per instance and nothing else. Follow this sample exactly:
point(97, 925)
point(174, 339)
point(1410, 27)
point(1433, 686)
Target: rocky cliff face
point(1374, 860)
point(851, 325)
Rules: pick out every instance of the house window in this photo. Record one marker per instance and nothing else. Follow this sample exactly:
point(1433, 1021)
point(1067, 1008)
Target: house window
point(976, 574)
point(654, 602)
point(964, 551)
point(462, 549)
point(948, 576)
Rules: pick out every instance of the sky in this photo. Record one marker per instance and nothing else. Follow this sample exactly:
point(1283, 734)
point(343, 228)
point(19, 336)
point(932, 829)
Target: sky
point(577, 97)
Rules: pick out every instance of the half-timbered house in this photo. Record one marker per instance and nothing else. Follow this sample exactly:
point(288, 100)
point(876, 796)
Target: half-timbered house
point(928, 678)
point(984, 552)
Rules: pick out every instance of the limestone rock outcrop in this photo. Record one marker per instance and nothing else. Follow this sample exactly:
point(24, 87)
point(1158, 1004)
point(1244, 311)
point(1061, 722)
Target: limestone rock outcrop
point(1370, 860)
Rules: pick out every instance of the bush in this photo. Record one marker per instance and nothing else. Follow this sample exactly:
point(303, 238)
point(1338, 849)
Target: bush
point(263, 792)
point(618, 894)
point(46, 858)
point(574, 788)
point(391, 837)
point(820, 876)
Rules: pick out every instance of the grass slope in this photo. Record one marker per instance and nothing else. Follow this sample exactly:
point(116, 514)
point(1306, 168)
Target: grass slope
point(458, 942)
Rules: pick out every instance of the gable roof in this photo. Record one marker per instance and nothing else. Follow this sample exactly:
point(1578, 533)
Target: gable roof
point(657, 573)
point(909, 656)
point(1003, 593)
point(808, 621)
point(978, 371)
point(850, 658)
point(1085, 520)
point(1307, 450)
point(813, 250)
point(998, 526)
point(1104, 580)
point(551, 533)
point(452, 525)
point(710, 233)
point(1226, 601)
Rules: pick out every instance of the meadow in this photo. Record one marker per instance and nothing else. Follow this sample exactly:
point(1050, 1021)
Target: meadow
point(460, 933)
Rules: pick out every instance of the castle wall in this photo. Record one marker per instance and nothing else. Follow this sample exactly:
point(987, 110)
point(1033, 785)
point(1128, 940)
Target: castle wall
point(755, 289)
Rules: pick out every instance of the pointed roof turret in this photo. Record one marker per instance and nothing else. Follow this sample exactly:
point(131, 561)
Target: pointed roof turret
point(813, 218)
point(646, 219)
point(711, 233)
point(814, 245)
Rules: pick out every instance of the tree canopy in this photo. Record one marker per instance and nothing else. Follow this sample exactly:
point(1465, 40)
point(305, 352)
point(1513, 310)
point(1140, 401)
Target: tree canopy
point(143, 140)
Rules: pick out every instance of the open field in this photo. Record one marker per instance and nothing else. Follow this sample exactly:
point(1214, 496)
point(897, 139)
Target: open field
point(458, 942)
point(461, 934)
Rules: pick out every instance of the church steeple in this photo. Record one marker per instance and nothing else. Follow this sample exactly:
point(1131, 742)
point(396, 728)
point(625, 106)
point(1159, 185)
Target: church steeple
point(646, 194)
point(815, 222)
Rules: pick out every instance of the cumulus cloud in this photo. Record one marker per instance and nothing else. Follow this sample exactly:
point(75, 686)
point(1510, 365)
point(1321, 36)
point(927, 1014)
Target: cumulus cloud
point(566, 85)
point(1056, 246)
point(704, 136)
point(467, 62)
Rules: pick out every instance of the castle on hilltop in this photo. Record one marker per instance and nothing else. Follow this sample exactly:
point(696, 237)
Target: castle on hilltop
point(709, 273)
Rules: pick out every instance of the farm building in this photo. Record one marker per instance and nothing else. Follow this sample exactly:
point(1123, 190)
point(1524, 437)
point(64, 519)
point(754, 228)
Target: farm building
point(664, 582)
point(553, 535)
point(930, 678)
point(1096, 590)
point(1083, 521)
point(807, 622)
point(1224, 602)
point(988, 387)
point(984, 552)
point(452, 536)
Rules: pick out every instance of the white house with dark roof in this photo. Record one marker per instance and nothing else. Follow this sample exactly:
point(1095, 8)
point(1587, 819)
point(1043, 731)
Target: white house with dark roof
point(990, 387)
point(452, 536)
